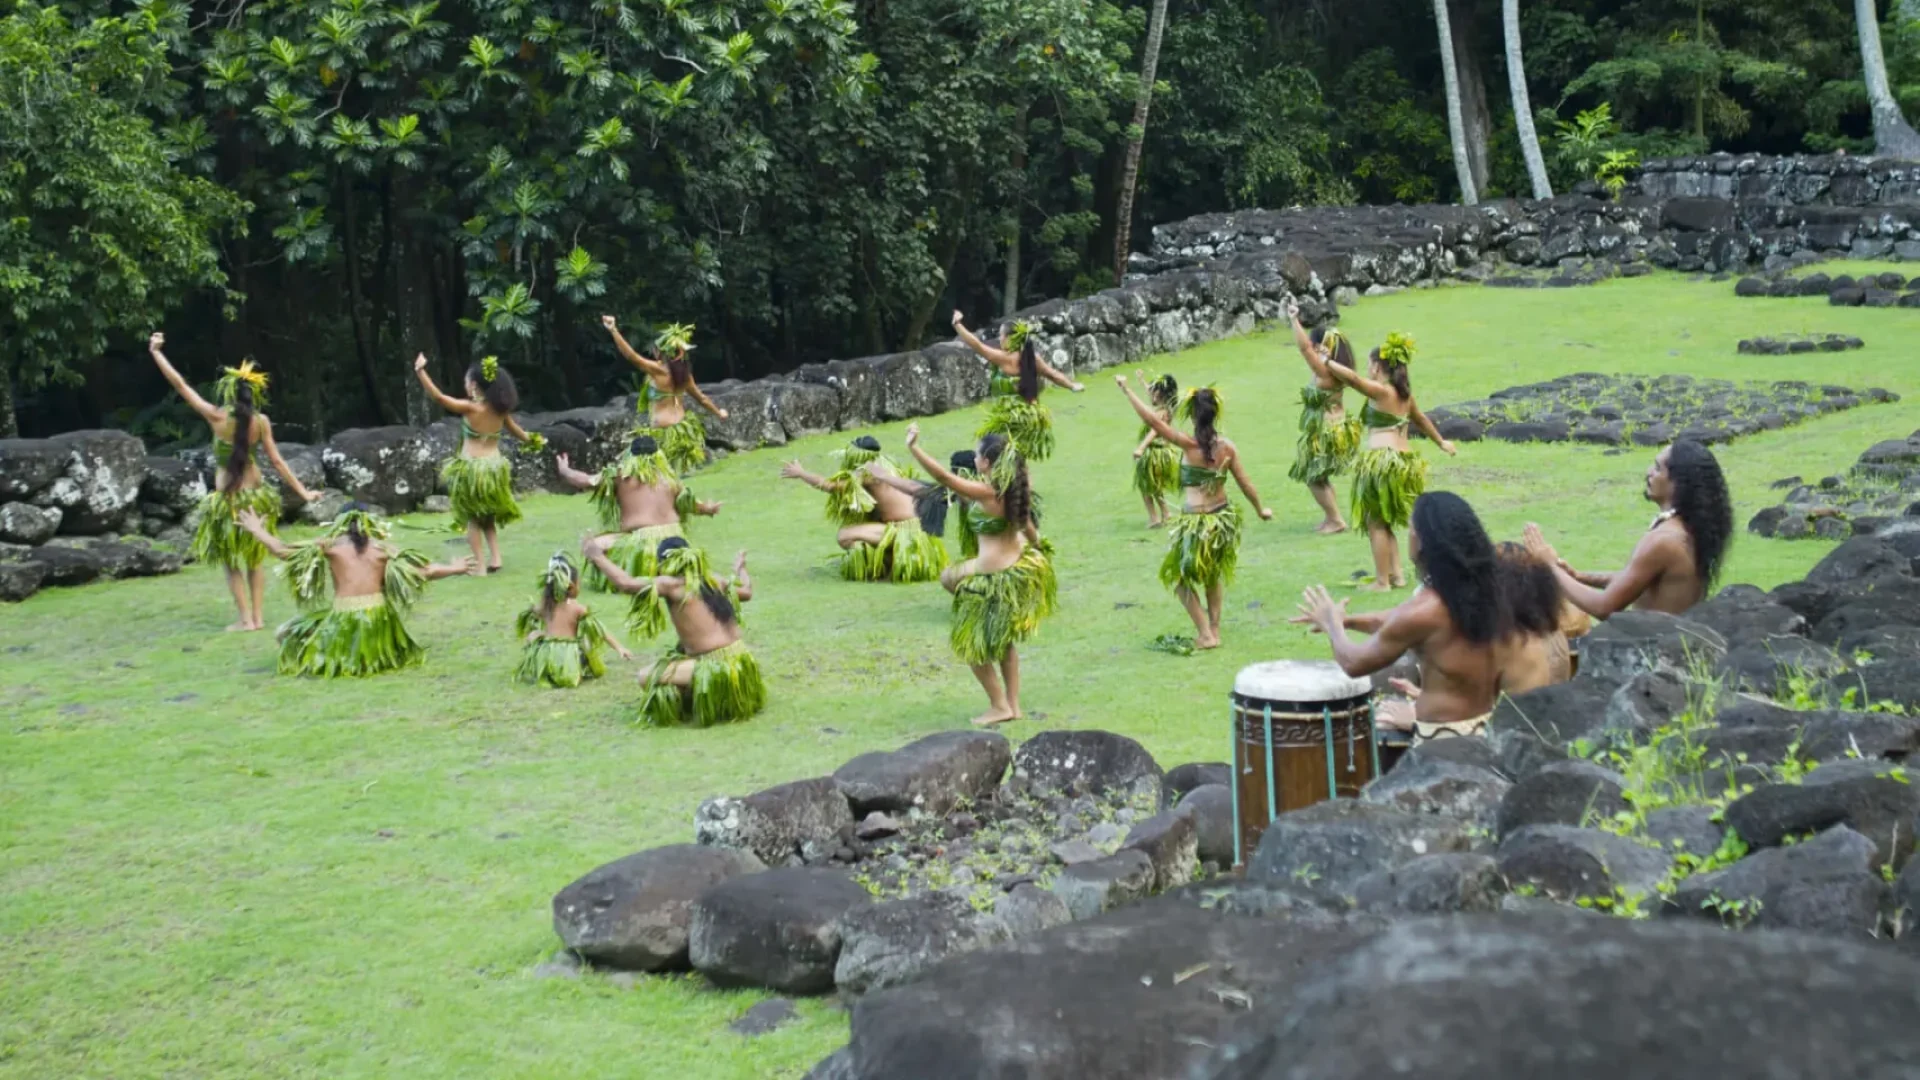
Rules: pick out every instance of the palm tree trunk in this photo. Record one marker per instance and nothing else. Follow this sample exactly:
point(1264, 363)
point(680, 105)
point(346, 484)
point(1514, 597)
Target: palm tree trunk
point(1522, 107)
point(1700, 84)
point(1010, 285)
point(1892, 135)
point(1136, 135)
point(1462, 164)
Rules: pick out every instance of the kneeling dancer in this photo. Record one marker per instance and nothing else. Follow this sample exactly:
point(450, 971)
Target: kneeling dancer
point(353, 588)
point(563, 639)
point(640, 501)
point(881, 536)
point(1453, 624)
point(708, 677)
point(1000, 596)
point(1204, 540)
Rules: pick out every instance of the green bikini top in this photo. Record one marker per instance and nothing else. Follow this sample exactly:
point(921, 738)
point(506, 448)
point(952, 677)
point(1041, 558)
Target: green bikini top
point(1199, 476)
point(985, 524)
point(467, 432)
point(653, 393)
point(1000, 384)
point(1380, 420)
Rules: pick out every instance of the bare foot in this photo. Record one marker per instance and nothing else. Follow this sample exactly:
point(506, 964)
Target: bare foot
point(477, 571)
point(240, 627)
point(994, 717)
point(1399, 582)
point(1211, 641)
point(256, 626)
point(1377, 586)
point(1330, 528)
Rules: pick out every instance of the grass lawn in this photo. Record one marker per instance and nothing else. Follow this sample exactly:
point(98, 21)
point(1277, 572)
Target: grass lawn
point(209, 871)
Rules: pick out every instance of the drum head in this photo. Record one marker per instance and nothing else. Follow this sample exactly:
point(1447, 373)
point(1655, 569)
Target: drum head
point(1299, 680)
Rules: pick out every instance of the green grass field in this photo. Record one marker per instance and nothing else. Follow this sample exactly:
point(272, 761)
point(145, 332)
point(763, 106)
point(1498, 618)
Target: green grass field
point(209, 871)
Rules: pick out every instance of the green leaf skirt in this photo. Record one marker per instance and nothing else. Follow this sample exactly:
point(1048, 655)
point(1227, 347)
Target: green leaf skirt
point(1202, 550)
point(1028, 426)
point(994, 612)
point(1324, 449)
point(684, 443)
point(727, 686)
point(218, 538)
point(1385, 484)
point(358, 636)
point(562, 663)
point(634, 552)
point(481, 490)
point(1156, 472)
point(905, 555)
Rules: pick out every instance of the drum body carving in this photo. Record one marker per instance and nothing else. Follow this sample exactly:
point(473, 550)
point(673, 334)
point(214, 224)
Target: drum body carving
point(1302, 734)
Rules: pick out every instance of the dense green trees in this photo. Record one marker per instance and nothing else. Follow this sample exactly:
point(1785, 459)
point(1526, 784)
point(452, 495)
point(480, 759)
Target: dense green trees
point(334, 185)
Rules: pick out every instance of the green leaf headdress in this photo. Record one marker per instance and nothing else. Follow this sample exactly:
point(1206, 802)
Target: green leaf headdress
point(1186, 402)
point(489, 369)
point(559, 576)
point(1017, 335)
point(231, 378)
point(1398, 349)
point(1331, 340)
point(853, 455)
point(676, 338)
point(371, 525)
point(1006, 467)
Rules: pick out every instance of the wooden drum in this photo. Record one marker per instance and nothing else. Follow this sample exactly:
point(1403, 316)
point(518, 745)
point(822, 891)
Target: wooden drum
point(1302, 734)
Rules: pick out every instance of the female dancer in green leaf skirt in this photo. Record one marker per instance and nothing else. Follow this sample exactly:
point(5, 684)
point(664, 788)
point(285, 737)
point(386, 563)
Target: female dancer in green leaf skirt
point(1014, 409)
point(1001, 595)
point(238, 487)
point(480, 478)
point(1156, 462)
point(563, 640)
point(1204, 541)
point(1329, 438)
point(682, 434)
point(1389, 475)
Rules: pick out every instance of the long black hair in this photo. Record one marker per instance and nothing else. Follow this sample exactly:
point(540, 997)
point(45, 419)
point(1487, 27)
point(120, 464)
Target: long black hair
point(643, 446)
point(354, 532)
point(1701, 502)
point(679, 370)
point(715, 599)
point(1206, 409)
point(1396, 375)
point(1016, 498)
point(555, 588)
point(241, 457)
point(1342, 352)
point(931, 502)
point(1165, 391)
point(499, 393)
point(1028, 383)
point(1457, 561)
point(1530, 596)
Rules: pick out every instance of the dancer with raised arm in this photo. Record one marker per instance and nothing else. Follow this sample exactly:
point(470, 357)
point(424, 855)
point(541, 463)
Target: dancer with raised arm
point(562, 639)
point(1329, 438)
point(640, 502)
point(354, 590)
point(1203, 544)
point(682, 434)
point(1001, 595)
point(238, 428)
point(708, 677)
point(1156, 462)
point(1675, 565)
point(480, 478)
point(1015, 410)
point(1453, 625)
point(1389, 475)
point(881, 535)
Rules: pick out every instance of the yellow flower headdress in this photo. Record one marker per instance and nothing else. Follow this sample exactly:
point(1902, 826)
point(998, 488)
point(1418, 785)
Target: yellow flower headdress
point(1398, 349)
point(1186, 402)
point(231, 378)
point(676, 338)
point(489, 368)
point(1332, 339)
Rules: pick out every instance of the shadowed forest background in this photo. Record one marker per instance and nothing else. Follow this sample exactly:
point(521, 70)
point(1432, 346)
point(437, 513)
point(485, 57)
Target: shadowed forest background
point(330, 186)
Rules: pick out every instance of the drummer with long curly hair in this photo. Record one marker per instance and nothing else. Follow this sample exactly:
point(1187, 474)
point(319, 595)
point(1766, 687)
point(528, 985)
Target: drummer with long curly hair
point(1453, 624)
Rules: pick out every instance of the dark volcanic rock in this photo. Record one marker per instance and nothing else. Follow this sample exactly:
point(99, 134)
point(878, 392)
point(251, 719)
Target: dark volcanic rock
point(1092, 762)
point(1686, 828)
point(1427, 784)
point(1567, 793)
point(1741, 614)
point(1506, 999)
point(1829, 884)
point(24, 523)
point(19, 580)
point(391, 467)
point(1874, 798)
point(1172, 840)
point(98, 487)
point(1766, 666)
point(1090, 888)
point(1635, 641)
point(1644, 704)
point(1330, 846)
point(1184, 778)
point(1434, 884)
point(1568, 863)
point(933, 774)
point(1548, 431)
point(780, 825)
point(1211, 808)
point(1559, 713)
point(779, 929)
point(884, 945)
point(633, 913)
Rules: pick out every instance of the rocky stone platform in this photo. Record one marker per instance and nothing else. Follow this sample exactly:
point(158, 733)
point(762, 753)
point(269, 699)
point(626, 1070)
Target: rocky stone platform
point(1799, 343)
point(1640, 410)
point(1880, 496)
point(1881, 290)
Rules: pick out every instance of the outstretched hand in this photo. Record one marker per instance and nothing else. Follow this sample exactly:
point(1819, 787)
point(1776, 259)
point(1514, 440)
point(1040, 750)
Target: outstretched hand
point(913, 430)
point(420, 362)
point(1266, 513)
point(1447, 445)
point(1321, 610)
point(248, 520)
point(721, 413)
point(1293, 310)
point(1120, 381)
point(1537, 545)
point(792, 470)
point(740, 563)
point(958, 318)
point(563, 461)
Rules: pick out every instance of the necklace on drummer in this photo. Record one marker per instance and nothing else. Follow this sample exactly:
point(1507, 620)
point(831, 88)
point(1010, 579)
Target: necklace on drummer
point(1662, 518)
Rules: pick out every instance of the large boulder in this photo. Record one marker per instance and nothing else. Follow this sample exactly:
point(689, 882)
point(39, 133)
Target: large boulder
point(1878, 685)
point(1829, 884)
point(633, 913)
point(19, 580)
point(99, 487)
point(1768, 665)
point(1742, 614)
point(884, 945)
point(1644, 704)
point(1330, 846)
point(1427, 783)
point(1184, 778)
point(27, 466)
point(1139, 994)
point(1569, 863)
point(1028, 909)
point(65, 567)
point(308, 464)
point(779, 929)
point(1876, 799)
point(1211, 808)
point(1858, 561)
point(1433, 885)
point(1089, 762)
point(1559, 713)
point(1564, 793)
point(933, 774)
point(781, 825)
point(24, 523)
point(1583, 999)
point(173, 485)
point(1171, 840)
point(395, 468)
point(1632, 642)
